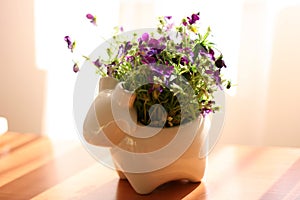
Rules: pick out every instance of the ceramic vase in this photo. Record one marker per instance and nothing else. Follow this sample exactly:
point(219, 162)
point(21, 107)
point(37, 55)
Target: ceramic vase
point(146, 156)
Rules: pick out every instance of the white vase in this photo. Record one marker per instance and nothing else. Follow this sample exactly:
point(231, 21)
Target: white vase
point(146, 156)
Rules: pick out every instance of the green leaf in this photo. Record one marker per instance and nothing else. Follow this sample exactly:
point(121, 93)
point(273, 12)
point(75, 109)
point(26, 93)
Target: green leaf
point(196, 50)
point(206, 34)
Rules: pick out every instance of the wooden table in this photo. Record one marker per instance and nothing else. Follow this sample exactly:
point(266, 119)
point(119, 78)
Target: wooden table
point(34, 167)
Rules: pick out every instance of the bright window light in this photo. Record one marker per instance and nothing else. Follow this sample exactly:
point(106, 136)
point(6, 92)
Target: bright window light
point(54, 20)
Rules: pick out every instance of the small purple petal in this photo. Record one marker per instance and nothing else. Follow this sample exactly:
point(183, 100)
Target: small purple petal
point(156, 44)
point(149, 59)
point(130, 59)
point(220, 63)
point(193, 18)
point(212, 54)
point(184, 61)
point(153, 43)
point(163, 70)
point(209, 72)
point(168, 17)
point(75, 68)
point(121, 50)
point(71, 44)
point(97, 63)
point(67, 38)
point(90, 16)
point(145, 37)
point(128, 46)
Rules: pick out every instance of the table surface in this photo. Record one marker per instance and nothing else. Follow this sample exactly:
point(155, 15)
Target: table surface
point(34, 167)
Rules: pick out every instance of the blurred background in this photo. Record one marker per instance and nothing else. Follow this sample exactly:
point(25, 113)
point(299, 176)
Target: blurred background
point(259, 40)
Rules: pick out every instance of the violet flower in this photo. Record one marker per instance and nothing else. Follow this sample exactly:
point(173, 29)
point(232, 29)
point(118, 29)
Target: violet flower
point(97, 63)
point(205, 111)
point(127, 47)
point(148, 59)
point(163, 70)
point(145, 37)
point(92, 19)
point(184, 60)
point(71, 45)
point(216, 76)
point(156, 44)
point(220, 63)
point(153, 43)
point(121, 50)
point(75, 68)
point(212, 54)
point(194, 18)
point(130, 58)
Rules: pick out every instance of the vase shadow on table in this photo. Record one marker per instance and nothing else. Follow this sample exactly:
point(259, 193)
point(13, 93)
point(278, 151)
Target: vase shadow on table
point(171, 190)
point(117, 189)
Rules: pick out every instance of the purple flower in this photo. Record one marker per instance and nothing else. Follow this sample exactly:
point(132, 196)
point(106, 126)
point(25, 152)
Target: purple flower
point(184, 60)
point(163, 70)
point(168, 17)
point(121, 50)
point(205, 111)
point(148, 59)
point(209, 71)
point(92, 18)
point(156, 44)
point(193, 19)
point(220, 63)
point(212, 54)
point(71, 45)
point(145, 37)
point(128, 46)
point(216, 76)
point(130, 59)
point(75, 68)
point(153, 43)
point(97, 63)
point(207, 53)
point(153, 52)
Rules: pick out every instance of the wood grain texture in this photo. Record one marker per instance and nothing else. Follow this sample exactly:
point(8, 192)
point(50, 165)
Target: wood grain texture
point(34, 167)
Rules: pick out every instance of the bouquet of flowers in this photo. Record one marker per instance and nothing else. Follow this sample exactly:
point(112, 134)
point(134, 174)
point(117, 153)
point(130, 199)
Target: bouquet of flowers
point(175, 66)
